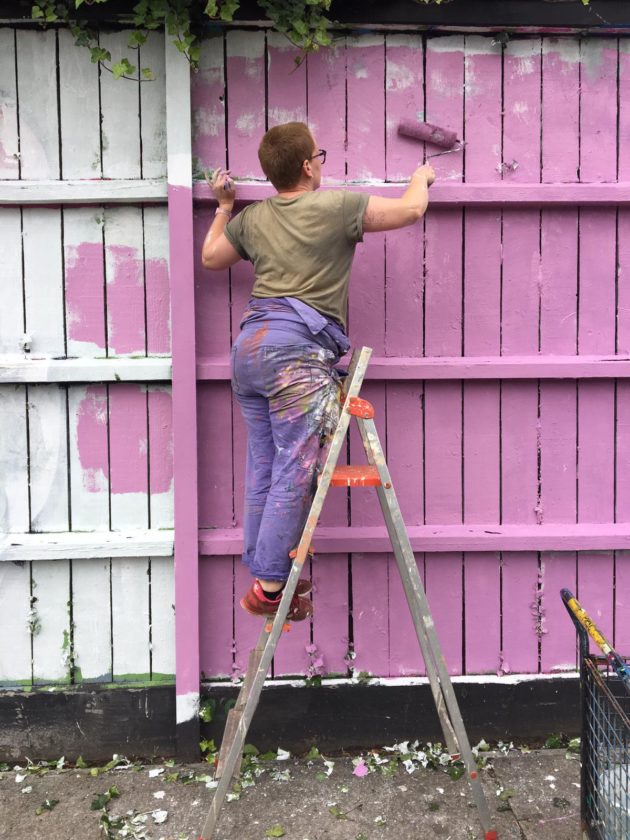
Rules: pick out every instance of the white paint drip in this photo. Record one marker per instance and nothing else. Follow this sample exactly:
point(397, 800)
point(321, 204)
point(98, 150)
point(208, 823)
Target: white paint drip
point(208, 123)
point(186, 706)
point(247, 124)
point(519, 109)
point(394, 682)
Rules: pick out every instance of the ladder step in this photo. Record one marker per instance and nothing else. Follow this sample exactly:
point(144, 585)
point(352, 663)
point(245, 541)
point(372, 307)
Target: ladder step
point(363, 475)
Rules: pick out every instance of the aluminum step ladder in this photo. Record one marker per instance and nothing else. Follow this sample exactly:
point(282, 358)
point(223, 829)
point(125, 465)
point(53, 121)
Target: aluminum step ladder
point(375, 474)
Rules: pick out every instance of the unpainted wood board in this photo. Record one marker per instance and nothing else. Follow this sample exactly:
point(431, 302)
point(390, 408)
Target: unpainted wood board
point(482, 104)
point(208, 106)
point(37, 97)
point(14, 489)
point(79, 110)
point(215, 456)
point(91, 617)
point(482, 612)
point(286, 81)
point(405, 654)
point(370, 614)
point(160, 408)
point(560, 109)
point(120, 112)
point(11, 289)
point(84, 281)
point(43, 280)
point(521, 110)
point(246, 102)
point(15, 595)
point(365, 74)
point(519, 612)
point(157, 284)
point(445, 593)
point(330, 613)
point(125, 290)
point(48, 458)
point(89, 457)
point(557, 642)
point(162, 617)
point(621, 638)
point(598, 109)
point(213, 331)
point(130, 619)
point(9, 146)
point(326, 105)
point(51, 638)
point(404, 99)
point(153, 107)
point(217, 600)
point(128, 456)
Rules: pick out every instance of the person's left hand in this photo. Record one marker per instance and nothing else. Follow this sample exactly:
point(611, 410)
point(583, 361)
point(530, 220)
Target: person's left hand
point(222, 187)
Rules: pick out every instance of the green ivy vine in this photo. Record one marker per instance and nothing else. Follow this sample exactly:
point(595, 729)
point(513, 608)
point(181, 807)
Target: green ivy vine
point(304, 22)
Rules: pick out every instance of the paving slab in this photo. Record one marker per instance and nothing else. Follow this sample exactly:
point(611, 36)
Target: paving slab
point(299, 799)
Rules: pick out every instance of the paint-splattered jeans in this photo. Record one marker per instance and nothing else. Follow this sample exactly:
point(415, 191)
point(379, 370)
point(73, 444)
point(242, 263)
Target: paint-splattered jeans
point(289, 398)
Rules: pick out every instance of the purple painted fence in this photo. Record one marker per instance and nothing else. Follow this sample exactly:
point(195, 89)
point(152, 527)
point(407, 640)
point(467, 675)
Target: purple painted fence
point(522, 280)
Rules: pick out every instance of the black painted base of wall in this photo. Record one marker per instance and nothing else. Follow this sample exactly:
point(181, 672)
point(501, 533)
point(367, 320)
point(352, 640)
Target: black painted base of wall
point(141, 722)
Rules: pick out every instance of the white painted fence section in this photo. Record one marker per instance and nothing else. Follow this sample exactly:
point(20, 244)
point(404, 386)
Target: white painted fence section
point(86, 510)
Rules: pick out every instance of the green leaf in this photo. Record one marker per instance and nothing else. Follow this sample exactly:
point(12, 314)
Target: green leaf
point(99, 54)
point(312, 754)
point(337, 813)
point(275, 831)
point(250, 749)
point(212, 9)
point(147, 74)
point(80, 763)
point(136, 38)
point(36, 13)
point(506, 794)
point(47, 805)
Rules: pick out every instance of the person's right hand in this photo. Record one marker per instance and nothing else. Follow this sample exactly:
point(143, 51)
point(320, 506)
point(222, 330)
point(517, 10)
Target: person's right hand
point(223, 187)
point(427, 172)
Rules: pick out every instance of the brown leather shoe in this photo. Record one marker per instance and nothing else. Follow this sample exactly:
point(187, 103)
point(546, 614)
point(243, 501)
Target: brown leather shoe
point(255, 602)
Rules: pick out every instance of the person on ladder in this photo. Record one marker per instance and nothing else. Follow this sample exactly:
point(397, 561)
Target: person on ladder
point(301, 243)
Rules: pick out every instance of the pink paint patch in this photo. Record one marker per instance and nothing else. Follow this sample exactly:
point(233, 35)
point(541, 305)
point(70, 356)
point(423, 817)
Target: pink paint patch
point(92, 439)
point(360, 770)
point(125, 301)
point(158, 307)
point(8, 162)
point(85, 298)
point(128, 439)
point(161, 441)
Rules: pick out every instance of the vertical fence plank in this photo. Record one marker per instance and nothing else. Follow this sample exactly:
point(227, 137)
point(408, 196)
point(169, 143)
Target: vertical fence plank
point(15, 605)
point(84, 281)
point(120, 112)
point(79, 110)
point(365, 61)
point(130, 620)
point(51, 621)
point(246, 105)
point(91, 617)
point(162, 619)
point(443, 336)
point(43, 280)
point(482, 324)
point(157, 282)
point(9, 146)
point(153, 107)
point(126, 330)
point(37, 96)
point(218, 600)
point(11, 291)
point(48, 457)
point(128, 456)
point(14, 487)
point(519, 334)
point(208, 107)
point(286, 102)
point(326, 106)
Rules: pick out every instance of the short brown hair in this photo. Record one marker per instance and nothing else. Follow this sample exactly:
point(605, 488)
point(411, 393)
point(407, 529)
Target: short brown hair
point(282, 151)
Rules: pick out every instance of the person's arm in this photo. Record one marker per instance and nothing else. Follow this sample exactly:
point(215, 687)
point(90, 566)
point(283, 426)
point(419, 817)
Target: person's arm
point(393, 213)
point(217, 251)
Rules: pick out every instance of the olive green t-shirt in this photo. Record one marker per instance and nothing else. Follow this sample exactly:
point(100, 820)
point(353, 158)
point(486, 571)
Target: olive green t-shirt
point(302, 247)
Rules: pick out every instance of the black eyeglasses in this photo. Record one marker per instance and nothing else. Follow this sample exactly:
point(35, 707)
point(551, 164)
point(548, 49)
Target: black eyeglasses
point(322, 154)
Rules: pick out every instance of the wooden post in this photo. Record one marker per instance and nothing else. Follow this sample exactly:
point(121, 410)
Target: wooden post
point(180, 218)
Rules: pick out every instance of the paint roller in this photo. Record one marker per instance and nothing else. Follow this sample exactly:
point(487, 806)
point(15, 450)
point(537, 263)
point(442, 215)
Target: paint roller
point(427, 133)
